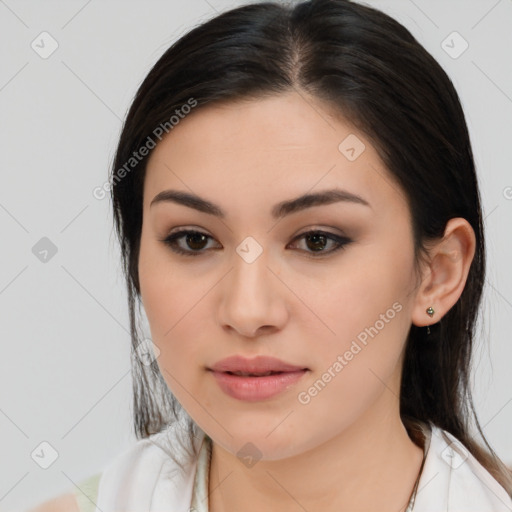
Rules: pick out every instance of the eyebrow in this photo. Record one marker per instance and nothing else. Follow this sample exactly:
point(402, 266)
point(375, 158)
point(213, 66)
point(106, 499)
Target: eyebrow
point(278, 211)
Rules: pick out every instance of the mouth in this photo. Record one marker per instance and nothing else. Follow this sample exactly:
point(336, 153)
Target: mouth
point(260, 366)
point(257, 386)
point(257, 379)
point(254, 374)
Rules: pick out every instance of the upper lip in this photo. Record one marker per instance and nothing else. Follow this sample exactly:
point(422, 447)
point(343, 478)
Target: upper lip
point(259, 364)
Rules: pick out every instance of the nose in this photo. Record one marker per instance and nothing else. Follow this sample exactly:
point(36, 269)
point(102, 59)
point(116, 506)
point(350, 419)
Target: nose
point(253, 298)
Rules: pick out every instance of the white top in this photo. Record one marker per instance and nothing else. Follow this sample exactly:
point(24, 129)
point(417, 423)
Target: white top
point(200, 492)
point(145, 477)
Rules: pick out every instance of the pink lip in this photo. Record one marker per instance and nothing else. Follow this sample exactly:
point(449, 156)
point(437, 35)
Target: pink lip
point(255, 388)
point(259, 364)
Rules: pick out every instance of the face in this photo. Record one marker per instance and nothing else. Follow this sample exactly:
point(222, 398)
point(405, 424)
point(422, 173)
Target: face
point(326, 286)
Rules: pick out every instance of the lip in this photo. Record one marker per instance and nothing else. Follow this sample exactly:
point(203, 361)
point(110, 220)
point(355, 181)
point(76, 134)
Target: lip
point(259, 364)
point(255, 388)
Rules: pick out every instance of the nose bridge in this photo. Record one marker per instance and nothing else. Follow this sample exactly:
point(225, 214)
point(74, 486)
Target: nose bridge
point(250, 298)
point(250, 277)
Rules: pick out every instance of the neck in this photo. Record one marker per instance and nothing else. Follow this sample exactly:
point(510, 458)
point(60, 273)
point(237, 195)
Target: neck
point(371, 465)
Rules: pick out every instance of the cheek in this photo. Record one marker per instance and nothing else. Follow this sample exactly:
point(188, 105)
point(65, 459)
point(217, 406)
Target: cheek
point(167, 290)
point(368, 310)
point(174, 300)
point(163, 294)
point(365, 284)
point(170, 311)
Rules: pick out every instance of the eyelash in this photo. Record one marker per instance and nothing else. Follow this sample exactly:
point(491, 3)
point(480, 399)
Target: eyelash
point(171, 241)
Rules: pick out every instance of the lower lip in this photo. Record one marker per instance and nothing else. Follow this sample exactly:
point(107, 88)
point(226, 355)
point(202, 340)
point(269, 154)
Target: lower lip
point(253, 389)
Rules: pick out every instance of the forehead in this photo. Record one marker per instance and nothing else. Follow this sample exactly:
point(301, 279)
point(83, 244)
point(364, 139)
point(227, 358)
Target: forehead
point(285, 145)
point(287, 122)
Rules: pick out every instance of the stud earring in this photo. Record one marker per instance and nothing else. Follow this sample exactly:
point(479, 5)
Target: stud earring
point(430, 312)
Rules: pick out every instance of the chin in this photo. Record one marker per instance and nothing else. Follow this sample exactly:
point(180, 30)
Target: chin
point(256, 443)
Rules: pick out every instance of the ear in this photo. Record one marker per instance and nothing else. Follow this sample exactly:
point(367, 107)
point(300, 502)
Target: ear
point(446, 272)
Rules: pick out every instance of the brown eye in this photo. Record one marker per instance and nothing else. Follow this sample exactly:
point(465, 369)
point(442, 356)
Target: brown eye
point(195, 242)
point(317, 241)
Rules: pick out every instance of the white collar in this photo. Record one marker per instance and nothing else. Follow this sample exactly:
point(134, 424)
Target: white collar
point(156, 474)
point(145, 478)
point(453, 480)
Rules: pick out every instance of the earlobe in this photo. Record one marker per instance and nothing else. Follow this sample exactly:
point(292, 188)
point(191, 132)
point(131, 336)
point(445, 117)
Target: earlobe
point(446, 273)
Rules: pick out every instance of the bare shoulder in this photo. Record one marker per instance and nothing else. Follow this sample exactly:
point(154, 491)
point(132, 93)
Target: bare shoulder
point(63, 503)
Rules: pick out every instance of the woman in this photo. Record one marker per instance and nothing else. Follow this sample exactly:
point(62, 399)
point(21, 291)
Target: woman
point(295, 196)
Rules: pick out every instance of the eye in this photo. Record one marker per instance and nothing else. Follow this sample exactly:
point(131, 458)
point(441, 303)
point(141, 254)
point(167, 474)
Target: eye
point(317, 240)
point(196, 241)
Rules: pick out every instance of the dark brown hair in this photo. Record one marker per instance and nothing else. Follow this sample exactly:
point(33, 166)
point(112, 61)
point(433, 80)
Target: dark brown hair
point(368, 68)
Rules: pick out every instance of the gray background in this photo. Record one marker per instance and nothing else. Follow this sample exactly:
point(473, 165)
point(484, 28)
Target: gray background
point(65, 360)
